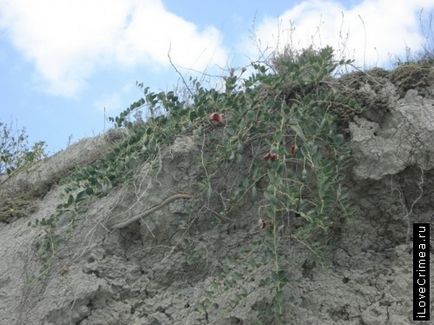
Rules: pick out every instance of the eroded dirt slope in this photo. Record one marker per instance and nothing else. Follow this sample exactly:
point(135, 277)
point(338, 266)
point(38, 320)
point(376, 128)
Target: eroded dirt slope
point(169, 267)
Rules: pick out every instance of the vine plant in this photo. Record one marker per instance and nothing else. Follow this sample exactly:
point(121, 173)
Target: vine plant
point(287, 109)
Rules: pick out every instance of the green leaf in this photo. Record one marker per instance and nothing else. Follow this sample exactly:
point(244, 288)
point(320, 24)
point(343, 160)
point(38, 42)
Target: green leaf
point(70, 200)
point(209, 192)
point(81, 196)
point(254, 193)
point(193, 115)
point(250, 115)
point(297, 129)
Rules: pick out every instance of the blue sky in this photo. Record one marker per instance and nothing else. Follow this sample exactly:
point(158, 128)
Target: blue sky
point(63, 61)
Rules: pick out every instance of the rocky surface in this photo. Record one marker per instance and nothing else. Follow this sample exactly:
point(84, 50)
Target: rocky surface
point(167, 267)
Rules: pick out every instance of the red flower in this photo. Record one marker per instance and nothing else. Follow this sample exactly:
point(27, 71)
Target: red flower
point(270, 156)
point(263, 224)
point(216, 118)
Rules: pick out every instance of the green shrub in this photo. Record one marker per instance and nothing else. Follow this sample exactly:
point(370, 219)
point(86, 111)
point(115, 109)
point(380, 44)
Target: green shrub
point(15, 152)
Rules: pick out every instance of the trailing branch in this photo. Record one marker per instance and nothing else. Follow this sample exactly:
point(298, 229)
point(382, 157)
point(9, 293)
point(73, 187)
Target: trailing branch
point(153, 209)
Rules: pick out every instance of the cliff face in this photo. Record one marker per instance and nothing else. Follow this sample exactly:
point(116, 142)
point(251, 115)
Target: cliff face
point(171, 265)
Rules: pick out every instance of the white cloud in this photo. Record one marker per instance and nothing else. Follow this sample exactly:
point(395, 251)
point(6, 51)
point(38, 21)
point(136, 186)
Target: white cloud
point(371, 32)
point(67, 40)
